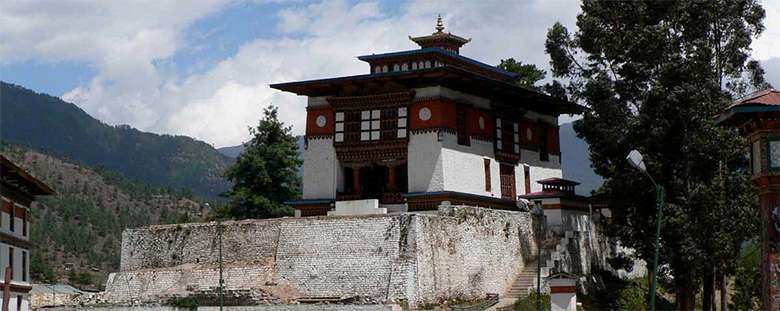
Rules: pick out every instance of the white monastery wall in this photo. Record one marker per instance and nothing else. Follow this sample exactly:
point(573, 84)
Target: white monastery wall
point(464, 166)
point(464, 252)
point(424, 166)
point(320, 168)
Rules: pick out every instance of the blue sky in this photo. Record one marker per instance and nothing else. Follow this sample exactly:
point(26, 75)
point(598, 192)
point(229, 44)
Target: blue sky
point(203, 69)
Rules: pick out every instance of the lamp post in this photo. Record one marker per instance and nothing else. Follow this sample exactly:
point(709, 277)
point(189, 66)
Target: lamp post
point(635, 159)
point(538, 212)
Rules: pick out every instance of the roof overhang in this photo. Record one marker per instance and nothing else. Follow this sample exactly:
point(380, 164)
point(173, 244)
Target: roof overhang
point(19, 178)
point(739, 114)
point(449, 76)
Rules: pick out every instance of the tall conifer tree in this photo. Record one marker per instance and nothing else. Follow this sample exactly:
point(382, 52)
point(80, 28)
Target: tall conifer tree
point(654, 74)
point(265, 175)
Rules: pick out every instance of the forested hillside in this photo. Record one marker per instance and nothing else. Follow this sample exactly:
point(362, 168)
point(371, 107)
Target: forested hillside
point(62, 129)
point(81, 226)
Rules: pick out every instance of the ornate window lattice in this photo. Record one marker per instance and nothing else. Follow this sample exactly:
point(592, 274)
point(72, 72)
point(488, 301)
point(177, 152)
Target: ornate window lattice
point(370, 124)
point(339, 127)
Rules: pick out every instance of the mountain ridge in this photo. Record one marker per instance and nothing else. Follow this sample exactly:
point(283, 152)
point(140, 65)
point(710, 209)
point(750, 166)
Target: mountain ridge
point(63, 129)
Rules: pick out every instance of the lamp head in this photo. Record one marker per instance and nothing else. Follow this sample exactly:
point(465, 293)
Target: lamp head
point(635, 159)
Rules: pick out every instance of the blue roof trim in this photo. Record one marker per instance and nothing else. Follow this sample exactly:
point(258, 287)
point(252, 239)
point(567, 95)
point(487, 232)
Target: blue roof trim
point(744, 109)
point(438, 51)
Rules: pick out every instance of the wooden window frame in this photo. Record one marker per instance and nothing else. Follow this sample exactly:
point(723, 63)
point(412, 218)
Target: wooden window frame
point(488, 182)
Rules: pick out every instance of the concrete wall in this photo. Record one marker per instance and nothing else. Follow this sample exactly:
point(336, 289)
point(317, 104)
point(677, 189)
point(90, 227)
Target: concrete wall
point(320, 168)
point(464, 252)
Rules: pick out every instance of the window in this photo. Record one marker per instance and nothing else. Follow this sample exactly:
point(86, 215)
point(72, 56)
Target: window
point(404, 67)
point(19, 302)
point(507, 176)
point(369, 125)
point(339, 127)
point(460, 116)
point(499, 134)
point(24, 223)
point(544, 154)
point(402, 122)
point(427, 64)
point(414, 65)
point(384, 68)
point(13, 217)
point(377, 69)
point(396, 67)
point(527, 178)
point(11, 260)
point(24, 266)
point(487, 175)
point(516, 137)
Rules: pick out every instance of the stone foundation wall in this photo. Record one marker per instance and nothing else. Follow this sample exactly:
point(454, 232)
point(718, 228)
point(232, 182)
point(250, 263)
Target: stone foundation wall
point(464, 252)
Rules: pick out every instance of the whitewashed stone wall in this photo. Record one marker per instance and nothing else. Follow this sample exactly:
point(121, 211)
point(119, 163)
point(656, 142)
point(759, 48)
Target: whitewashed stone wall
point(464, 252)
point(289, 307)
point(464, 166)
point(320, 168)
point(425, 169)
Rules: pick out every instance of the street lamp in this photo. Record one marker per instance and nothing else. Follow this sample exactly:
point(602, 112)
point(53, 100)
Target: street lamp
point(538, 212)
point(635, 159)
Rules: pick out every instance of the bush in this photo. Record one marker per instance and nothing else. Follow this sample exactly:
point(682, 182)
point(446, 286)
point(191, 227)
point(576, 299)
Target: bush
point(188, 303)
point(529, 303)
point(632, 297)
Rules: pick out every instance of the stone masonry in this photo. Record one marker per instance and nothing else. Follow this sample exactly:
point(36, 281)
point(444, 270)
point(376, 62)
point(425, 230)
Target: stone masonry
point(461, 253)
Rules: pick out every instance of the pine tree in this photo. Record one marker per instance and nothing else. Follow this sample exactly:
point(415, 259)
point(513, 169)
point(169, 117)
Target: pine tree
point(265, 175)
point(654, 74)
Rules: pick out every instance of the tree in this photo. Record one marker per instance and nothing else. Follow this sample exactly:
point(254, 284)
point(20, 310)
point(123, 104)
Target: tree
point(653, 75)
point(265, 175)
point(528, 74)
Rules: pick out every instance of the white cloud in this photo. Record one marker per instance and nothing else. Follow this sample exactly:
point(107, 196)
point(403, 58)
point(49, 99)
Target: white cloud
point(217, 105)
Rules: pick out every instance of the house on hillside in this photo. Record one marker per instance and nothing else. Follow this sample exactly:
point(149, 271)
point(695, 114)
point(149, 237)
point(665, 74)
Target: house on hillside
point(426, 126)
point(18, 189)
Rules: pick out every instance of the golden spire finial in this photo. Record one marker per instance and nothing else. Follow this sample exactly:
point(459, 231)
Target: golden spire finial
point(439, 24)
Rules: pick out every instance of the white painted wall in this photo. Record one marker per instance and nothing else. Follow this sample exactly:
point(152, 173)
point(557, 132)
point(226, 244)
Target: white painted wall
point(425, 170)
point(5, 224)
point(17, 271)
point(13, 304)
point(538, 169)
point(320, 169)
point(464, 166)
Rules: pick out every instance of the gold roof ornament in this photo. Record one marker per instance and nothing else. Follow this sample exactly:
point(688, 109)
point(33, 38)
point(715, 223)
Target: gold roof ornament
point(439, 24)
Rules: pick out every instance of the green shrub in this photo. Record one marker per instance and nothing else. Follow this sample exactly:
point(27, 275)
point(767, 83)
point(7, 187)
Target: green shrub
point(632, 297)
point(188, 303)
point(529, 303)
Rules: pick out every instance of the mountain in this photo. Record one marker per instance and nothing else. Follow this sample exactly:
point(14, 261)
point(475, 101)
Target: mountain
point(235, 151)
point(60, 128)
point(575, 161)
point(76, 233)
point(232, 151)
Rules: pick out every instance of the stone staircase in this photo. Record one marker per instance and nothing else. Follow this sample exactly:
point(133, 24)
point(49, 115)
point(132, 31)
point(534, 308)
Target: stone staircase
point(524, 282)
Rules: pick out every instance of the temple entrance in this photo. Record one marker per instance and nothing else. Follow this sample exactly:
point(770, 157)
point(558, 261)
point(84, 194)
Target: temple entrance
point(385, 183)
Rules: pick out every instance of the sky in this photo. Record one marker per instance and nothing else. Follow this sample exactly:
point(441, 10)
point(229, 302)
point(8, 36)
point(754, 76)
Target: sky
point(202, 68)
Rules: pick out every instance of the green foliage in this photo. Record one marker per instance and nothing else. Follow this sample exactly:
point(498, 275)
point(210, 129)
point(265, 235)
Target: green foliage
point(83, 223)
point(528, 303)
point(653, 75)
point(265, 175)
point(529, 74)
point(162, 160)
point(747, 279)
point(188, 303)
